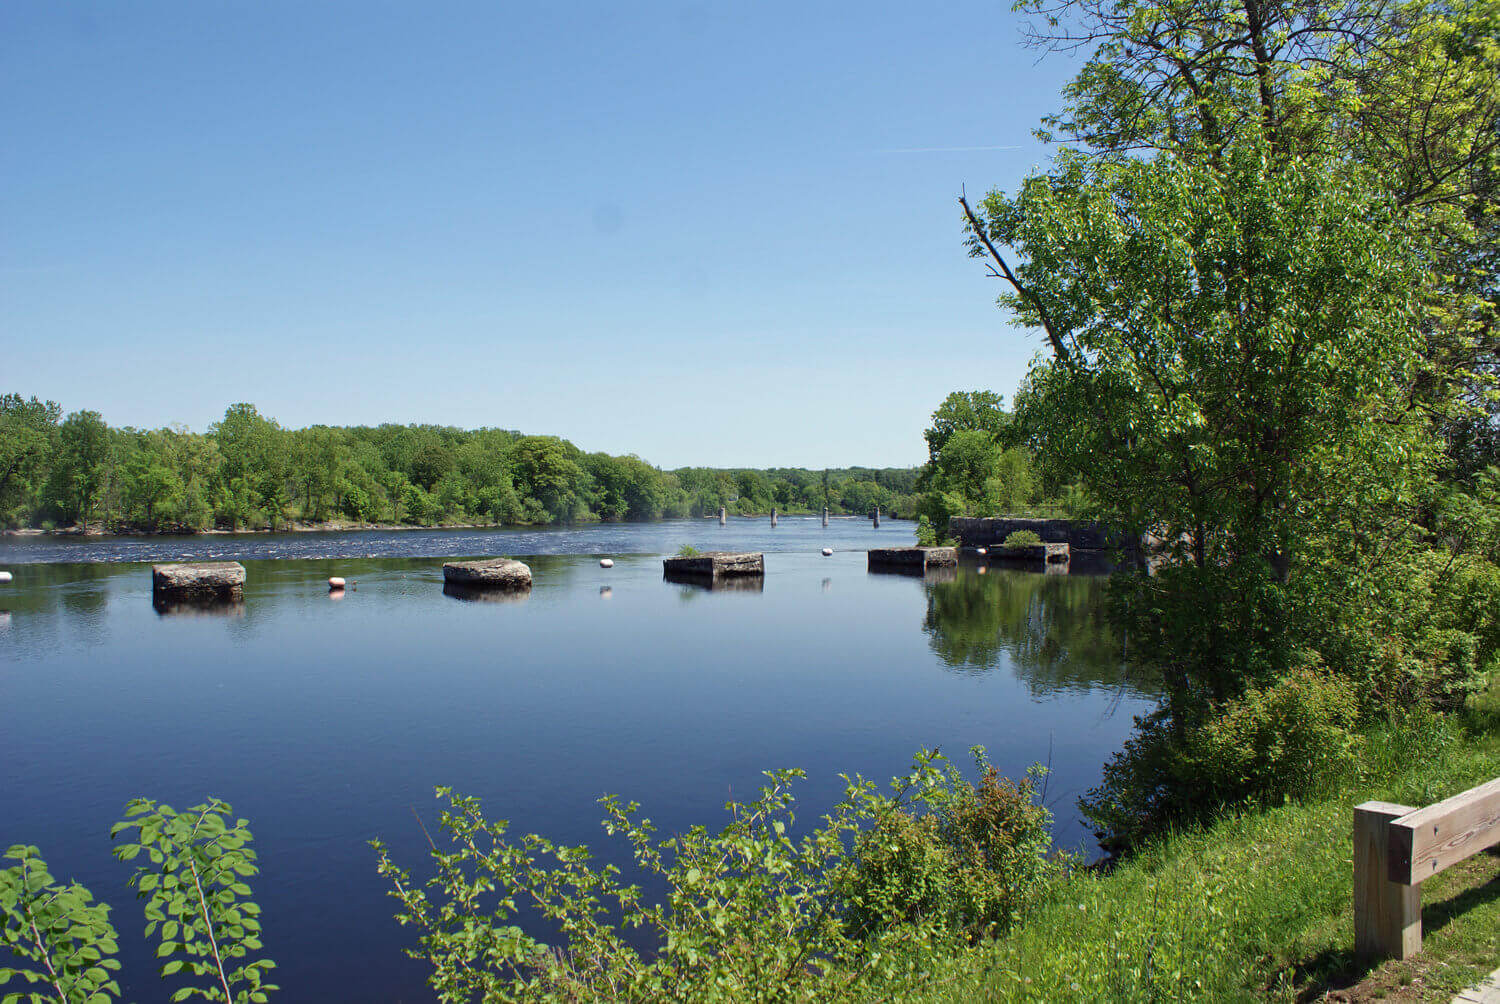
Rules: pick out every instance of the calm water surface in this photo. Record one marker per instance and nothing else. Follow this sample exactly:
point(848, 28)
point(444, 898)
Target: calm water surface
point(326, 721)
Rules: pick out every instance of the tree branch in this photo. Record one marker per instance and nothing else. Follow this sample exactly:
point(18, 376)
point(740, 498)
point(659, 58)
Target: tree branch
point(1053, 335)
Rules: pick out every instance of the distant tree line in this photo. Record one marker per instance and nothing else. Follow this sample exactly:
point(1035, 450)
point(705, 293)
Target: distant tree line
point(247, 472)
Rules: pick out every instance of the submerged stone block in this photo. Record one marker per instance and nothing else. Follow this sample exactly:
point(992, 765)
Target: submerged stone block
point(223, 580)
point(488, 573)
point(715, 564)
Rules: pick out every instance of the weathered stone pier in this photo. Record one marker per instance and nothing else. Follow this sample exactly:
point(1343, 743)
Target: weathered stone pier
point(198, 580)
point(489, 573)
point(913, 560)
point(715, 564)
point(1090, 546)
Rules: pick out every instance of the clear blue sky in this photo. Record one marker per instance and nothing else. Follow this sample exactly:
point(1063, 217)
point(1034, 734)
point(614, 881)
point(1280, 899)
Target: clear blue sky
point(709, 233)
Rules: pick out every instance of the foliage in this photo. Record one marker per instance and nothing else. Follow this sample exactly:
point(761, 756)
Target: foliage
point(197, 902)
point(688, 551)
point(927, 535)
point(1264, 267)
point(248, 471)
point(1021, 538)
point(57, 928)
point(970, 866)
point(975, 466)
point(754, 911)
point(1292, 739)
point(1254, 906)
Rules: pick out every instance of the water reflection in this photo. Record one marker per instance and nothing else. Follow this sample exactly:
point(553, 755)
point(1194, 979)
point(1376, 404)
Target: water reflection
point(717, 583)
point(190, 606)
point(1050, 629)
point(477, 594)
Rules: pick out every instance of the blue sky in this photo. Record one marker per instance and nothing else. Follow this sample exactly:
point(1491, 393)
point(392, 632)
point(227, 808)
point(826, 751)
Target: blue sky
point(717, 233)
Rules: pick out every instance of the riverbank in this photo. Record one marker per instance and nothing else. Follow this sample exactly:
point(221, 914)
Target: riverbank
point(1259, 905)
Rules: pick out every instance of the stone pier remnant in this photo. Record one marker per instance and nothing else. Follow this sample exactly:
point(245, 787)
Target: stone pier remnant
point(488, 573)
point(715, 565)
point(915, 560)
point(773, 515)
point(877, 517)
point(198, 581)
point(1046, 553)
point(1090, 545)
point(723, 516)
point(825, 515)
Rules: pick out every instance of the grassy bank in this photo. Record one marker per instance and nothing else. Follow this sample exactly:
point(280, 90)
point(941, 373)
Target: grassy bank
point(1258, 906)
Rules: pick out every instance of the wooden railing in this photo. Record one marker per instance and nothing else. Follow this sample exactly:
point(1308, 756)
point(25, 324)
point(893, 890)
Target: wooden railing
point(1397, 848)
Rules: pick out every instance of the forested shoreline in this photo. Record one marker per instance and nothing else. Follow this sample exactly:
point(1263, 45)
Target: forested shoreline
point(247, 472)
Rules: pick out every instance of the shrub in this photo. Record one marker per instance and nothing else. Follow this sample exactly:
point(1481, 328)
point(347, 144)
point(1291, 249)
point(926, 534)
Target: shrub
point(1287, 740)
point(968, 868)
point(197, 905)
point(1022, 538)
point(751, 912)
point(688, 551)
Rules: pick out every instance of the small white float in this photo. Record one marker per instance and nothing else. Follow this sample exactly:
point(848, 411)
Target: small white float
point(981, 550)
point(827, 552)
point(606, 562)
point(335, 583)
point(5, 576)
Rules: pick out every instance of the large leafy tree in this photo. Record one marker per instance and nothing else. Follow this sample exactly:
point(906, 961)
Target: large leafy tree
point(28, 437)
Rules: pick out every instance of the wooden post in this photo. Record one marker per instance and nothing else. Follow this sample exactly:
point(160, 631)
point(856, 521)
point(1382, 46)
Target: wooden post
point(1387, 916)
point(877, 517)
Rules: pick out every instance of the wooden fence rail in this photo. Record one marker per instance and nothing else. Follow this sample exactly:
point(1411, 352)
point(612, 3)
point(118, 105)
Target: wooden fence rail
point(1397, 847)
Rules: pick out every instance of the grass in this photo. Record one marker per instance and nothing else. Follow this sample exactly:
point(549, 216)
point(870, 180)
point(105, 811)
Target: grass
point(1258, 906)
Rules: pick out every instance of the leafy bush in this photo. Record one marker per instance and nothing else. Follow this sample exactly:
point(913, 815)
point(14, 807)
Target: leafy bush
point(970, 867)
point(59, 929)
point(196, 903)
point(1022, 538)
point(1287, 740)
point(688, 551)
point(751, 912)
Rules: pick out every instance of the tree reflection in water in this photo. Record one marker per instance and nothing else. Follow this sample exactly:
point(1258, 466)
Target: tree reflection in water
point(1051, 630)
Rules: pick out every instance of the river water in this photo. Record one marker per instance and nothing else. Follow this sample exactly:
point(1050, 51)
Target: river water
point(327, 721)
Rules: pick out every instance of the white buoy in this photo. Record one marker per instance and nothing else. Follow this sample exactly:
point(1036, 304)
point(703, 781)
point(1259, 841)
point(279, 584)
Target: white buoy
point(827, 551)
point(606, 562)
point(5, 576)
point(335, 583)
point(980, 550)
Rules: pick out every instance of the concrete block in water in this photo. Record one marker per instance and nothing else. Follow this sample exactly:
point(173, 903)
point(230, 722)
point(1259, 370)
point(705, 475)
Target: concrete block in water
point(713, 564)
point(916, 559)
point(1031, 554)
point(199, 579)
point(488, 573)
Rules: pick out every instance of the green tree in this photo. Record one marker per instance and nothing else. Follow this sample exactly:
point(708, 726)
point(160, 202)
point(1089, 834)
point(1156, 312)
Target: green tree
point(968, 411)
point(28, 437)
point(82, 468)
point(1235, 349)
